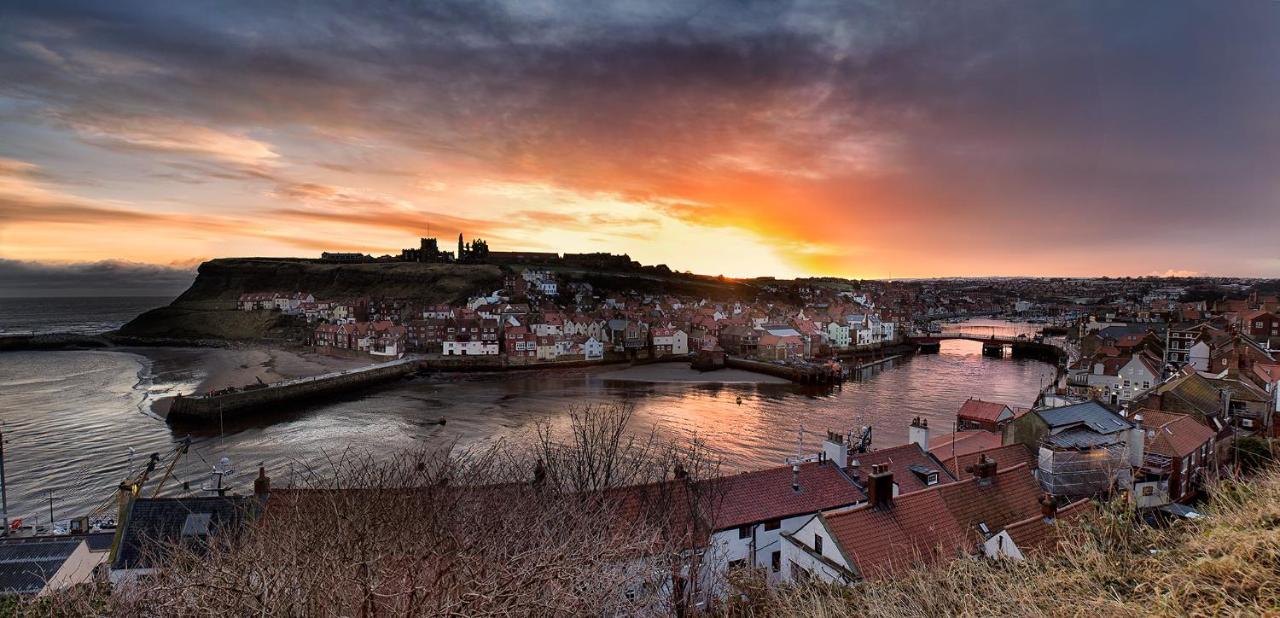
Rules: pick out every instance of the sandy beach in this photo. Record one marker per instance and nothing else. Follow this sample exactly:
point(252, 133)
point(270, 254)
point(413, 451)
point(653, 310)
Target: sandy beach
point(681, 373)
point(214, 368)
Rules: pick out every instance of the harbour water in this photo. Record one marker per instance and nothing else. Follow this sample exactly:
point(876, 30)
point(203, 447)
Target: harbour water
point(71, 418)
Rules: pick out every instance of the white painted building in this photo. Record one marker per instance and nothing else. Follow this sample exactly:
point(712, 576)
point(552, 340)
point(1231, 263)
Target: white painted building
point(470, 348)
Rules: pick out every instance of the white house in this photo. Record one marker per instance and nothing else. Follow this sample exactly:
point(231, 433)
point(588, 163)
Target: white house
point(593, 349)
point(470, 348)
point(1199, 356)
point(1139, 374)
point(670, 341)
point(838, 335)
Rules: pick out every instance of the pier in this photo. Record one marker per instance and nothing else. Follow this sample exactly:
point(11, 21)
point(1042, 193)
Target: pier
point(807, 373)
point(211, 407)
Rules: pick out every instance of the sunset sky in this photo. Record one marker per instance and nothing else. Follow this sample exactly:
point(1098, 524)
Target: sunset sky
point(862, 139)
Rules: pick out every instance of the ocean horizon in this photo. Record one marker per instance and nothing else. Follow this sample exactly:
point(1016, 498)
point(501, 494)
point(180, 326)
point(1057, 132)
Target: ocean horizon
point(72, 314)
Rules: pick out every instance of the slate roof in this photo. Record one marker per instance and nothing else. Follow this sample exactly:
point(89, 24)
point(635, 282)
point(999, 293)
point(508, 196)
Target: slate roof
point(153, 523)
point(1090, 414)
point(1080, 438)
point(924, 526)
point(100, 541)
point(1191, 392)
point(26, 564)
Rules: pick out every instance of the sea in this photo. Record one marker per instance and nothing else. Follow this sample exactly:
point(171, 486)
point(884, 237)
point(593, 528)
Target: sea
point(86, 316)
point(75, 421)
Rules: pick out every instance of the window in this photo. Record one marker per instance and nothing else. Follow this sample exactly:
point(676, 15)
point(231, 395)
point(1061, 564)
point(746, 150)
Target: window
point(744, 532)
point(737, 564)
point(775, 561)
point(817, 543)
point(799, 573)
point(773, 524)
point(932, 479)
point(197, 525)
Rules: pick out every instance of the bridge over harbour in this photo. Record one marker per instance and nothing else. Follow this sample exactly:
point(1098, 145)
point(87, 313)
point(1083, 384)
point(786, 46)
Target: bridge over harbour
point(1023, 342)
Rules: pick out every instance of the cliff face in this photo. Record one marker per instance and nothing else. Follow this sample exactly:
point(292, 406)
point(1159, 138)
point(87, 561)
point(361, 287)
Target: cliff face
point(207, 310)
point(224, 280)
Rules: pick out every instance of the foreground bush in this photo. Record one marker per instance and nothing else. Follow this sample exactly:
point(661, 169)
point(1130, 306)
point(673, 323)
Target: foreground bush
point(547, 528)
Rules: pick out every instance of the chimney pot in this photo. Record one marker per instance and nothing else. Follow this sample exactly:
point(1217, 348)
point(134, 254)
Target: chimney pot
point(262, 484)
point(880, 486)
point(985, 470)
point(1048, 507)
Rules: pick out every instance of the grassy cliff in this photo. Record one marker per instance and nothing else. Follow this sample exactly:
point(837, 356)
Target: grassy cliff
point(207, 310)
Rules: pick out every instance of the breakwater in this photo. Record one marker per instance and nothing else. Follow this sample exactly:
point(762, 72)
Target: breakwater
point(212, 407)
point(814, 373)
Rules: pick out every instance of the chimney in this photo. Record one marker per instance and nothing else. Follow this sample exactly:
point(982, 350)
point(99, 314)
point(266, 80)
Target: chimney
point(262, 484)
point(836, 449)
point(539, 476)
point(918, 433)
point(795, 477)
point(1137, 441)
point(1225, 395)
point(1048, 508)
point(984, 470)
point(880, 487)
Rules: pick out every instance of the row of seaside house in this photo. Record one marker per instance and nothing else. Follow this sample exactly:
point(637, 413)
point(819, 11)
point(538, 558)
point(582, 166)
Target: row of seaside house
point(487, 326)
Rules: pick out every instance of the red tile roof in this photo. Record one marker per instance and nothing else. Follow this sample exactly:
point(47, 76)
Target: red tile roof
point(1006, 456)
point(979, 410)
point(966, 442)
point(1173, 435)
point(1034, 534)
point(900, 459)
point(925, 526)
point(767, 494)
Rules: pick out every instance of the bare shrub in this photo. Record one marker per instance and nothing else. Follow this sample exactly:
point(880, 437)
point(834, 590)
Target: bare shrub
point(556, 527)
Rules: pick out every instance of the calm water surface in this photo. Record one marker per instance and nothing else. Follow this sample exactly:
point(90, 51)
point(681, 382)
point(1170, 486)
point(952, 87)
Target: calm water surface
point(70, 418)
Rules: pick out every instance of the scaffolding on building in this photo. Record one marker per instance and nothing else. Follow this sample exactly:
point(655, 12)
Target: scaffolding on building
point(1084, 472)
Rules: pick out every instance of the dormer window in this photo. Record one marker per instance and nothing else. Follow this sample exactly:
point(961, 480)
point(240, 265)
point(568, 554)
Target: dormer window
point(196, 525)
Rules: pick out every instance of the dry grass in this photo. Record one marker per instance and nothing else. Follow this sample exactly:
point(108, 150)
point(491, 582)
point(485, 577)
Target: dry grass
point(471, 534)
point(1227, 564)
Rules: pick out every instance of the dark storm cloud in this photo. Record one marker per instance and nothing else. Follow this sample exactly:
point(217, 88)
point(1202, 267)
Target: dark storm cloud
point(107, 278)
point(1142, 122)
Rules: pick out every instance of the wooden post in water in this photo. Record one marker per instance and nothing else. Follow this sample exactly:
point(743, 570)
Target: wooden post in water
point(4, 488)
